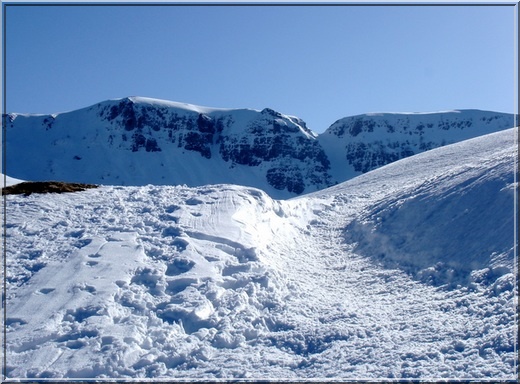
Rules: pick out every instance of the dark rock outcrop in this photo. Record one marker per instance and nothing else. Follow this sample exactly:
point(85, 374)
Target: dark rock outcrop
point(28, 187)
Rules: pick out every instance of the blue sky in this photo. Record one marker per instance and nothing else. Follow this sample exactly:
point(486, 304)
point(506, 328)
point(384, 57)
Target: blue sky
point(319, 63)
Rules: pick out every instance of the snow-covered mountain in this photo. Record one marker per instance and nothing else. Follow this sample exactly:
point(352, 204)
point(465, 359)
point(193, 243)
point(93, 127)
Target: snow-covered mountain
point(359, 144)
point(404, 272)
point(139, 141)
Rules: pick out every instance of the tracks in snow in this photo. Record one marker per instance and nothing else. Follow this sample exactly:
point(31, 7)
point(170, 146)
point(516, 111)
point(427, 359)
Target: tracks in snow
point(157, 279)
point(180, 282)
point(347, 308)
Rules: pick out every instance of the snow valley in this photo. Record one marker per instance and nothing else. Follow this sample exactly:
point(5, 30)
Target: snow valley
point(405, 271)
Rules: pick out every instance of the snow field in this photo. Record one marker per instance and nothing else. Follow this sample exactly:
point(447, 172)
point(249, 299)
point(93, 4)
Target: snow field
point(224, 282)
point(156, 278)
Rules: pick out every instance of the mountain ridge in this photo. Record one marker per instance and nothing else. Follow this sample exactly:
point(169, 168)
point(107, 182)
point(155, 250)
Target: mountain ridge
point(260, 148)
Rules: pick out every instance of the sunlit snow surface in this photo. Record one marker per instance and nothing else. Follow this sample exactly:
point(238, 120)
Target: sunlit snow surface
point(8, 181)
point(405, 272)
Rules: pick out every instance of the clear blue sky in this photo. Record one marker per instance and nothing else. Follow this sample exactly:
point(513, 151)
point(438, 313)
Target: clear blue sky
point(320, 63)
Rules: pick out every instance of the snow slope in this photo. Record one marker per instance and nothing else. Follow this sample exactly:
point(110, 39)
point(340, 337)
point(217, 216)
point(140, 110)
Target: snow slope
point(8, 181)
point(140, 141)
point(222, 281)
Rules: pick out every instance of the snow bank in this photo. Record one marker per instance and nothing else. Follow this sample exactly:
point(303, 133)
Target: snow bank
point(456, 222)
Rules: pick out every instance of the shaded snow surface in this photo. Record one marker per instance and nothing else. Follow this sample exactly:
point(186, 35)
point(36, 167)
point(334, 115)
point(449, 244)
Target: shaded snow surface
point(404, 272)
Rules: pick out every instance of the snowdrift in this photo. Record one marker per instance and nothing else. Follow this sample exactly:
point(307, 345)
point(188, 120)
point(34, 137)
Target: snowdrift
point(457, 225)
point(223, 282)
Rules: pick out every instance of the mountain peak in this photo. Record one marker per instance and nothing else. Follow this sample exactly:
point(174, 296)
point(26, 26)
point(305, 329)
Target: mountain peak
point(174, 143)
point(369, 141)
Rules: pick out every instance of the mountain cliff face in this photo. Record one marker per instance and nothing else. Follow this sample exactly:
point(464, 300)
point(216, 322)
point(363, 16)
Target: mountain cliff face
point(139, 141)
point(359, 144)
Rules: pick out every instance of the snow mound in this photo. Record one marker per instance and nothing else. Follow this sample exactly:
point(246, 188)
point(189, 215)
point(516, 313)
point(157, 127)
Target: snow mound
point(458, 221)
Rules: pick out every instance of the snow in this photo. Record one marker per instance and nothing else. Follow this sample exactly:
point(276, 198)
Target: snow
point(178, 105)
point(410, 113)
point(224, 282)
point(10, 180)
point(118, 142)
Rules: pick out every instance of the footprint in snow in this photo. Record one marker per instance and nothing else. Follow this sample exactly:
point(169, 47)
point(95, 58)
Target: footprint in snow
point(172, 208)
point(179, 285)
point(179, 266)
point(194, 201)
point(82, 313)
point(45, 291)
point(85, 287)
point(14, 321)
point(180, 243)
point(236, 268)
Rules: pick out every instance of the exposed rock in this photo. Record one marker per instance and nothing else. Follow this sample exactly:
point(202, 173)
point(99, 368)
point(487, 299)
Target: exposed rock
point(29, 187)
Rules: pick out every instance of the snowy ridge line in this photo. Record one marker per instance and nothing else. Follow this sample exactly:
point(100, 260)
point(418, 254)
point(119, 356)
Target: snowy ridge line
point(186, 106)
point(144, 100)
point(222, 282)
